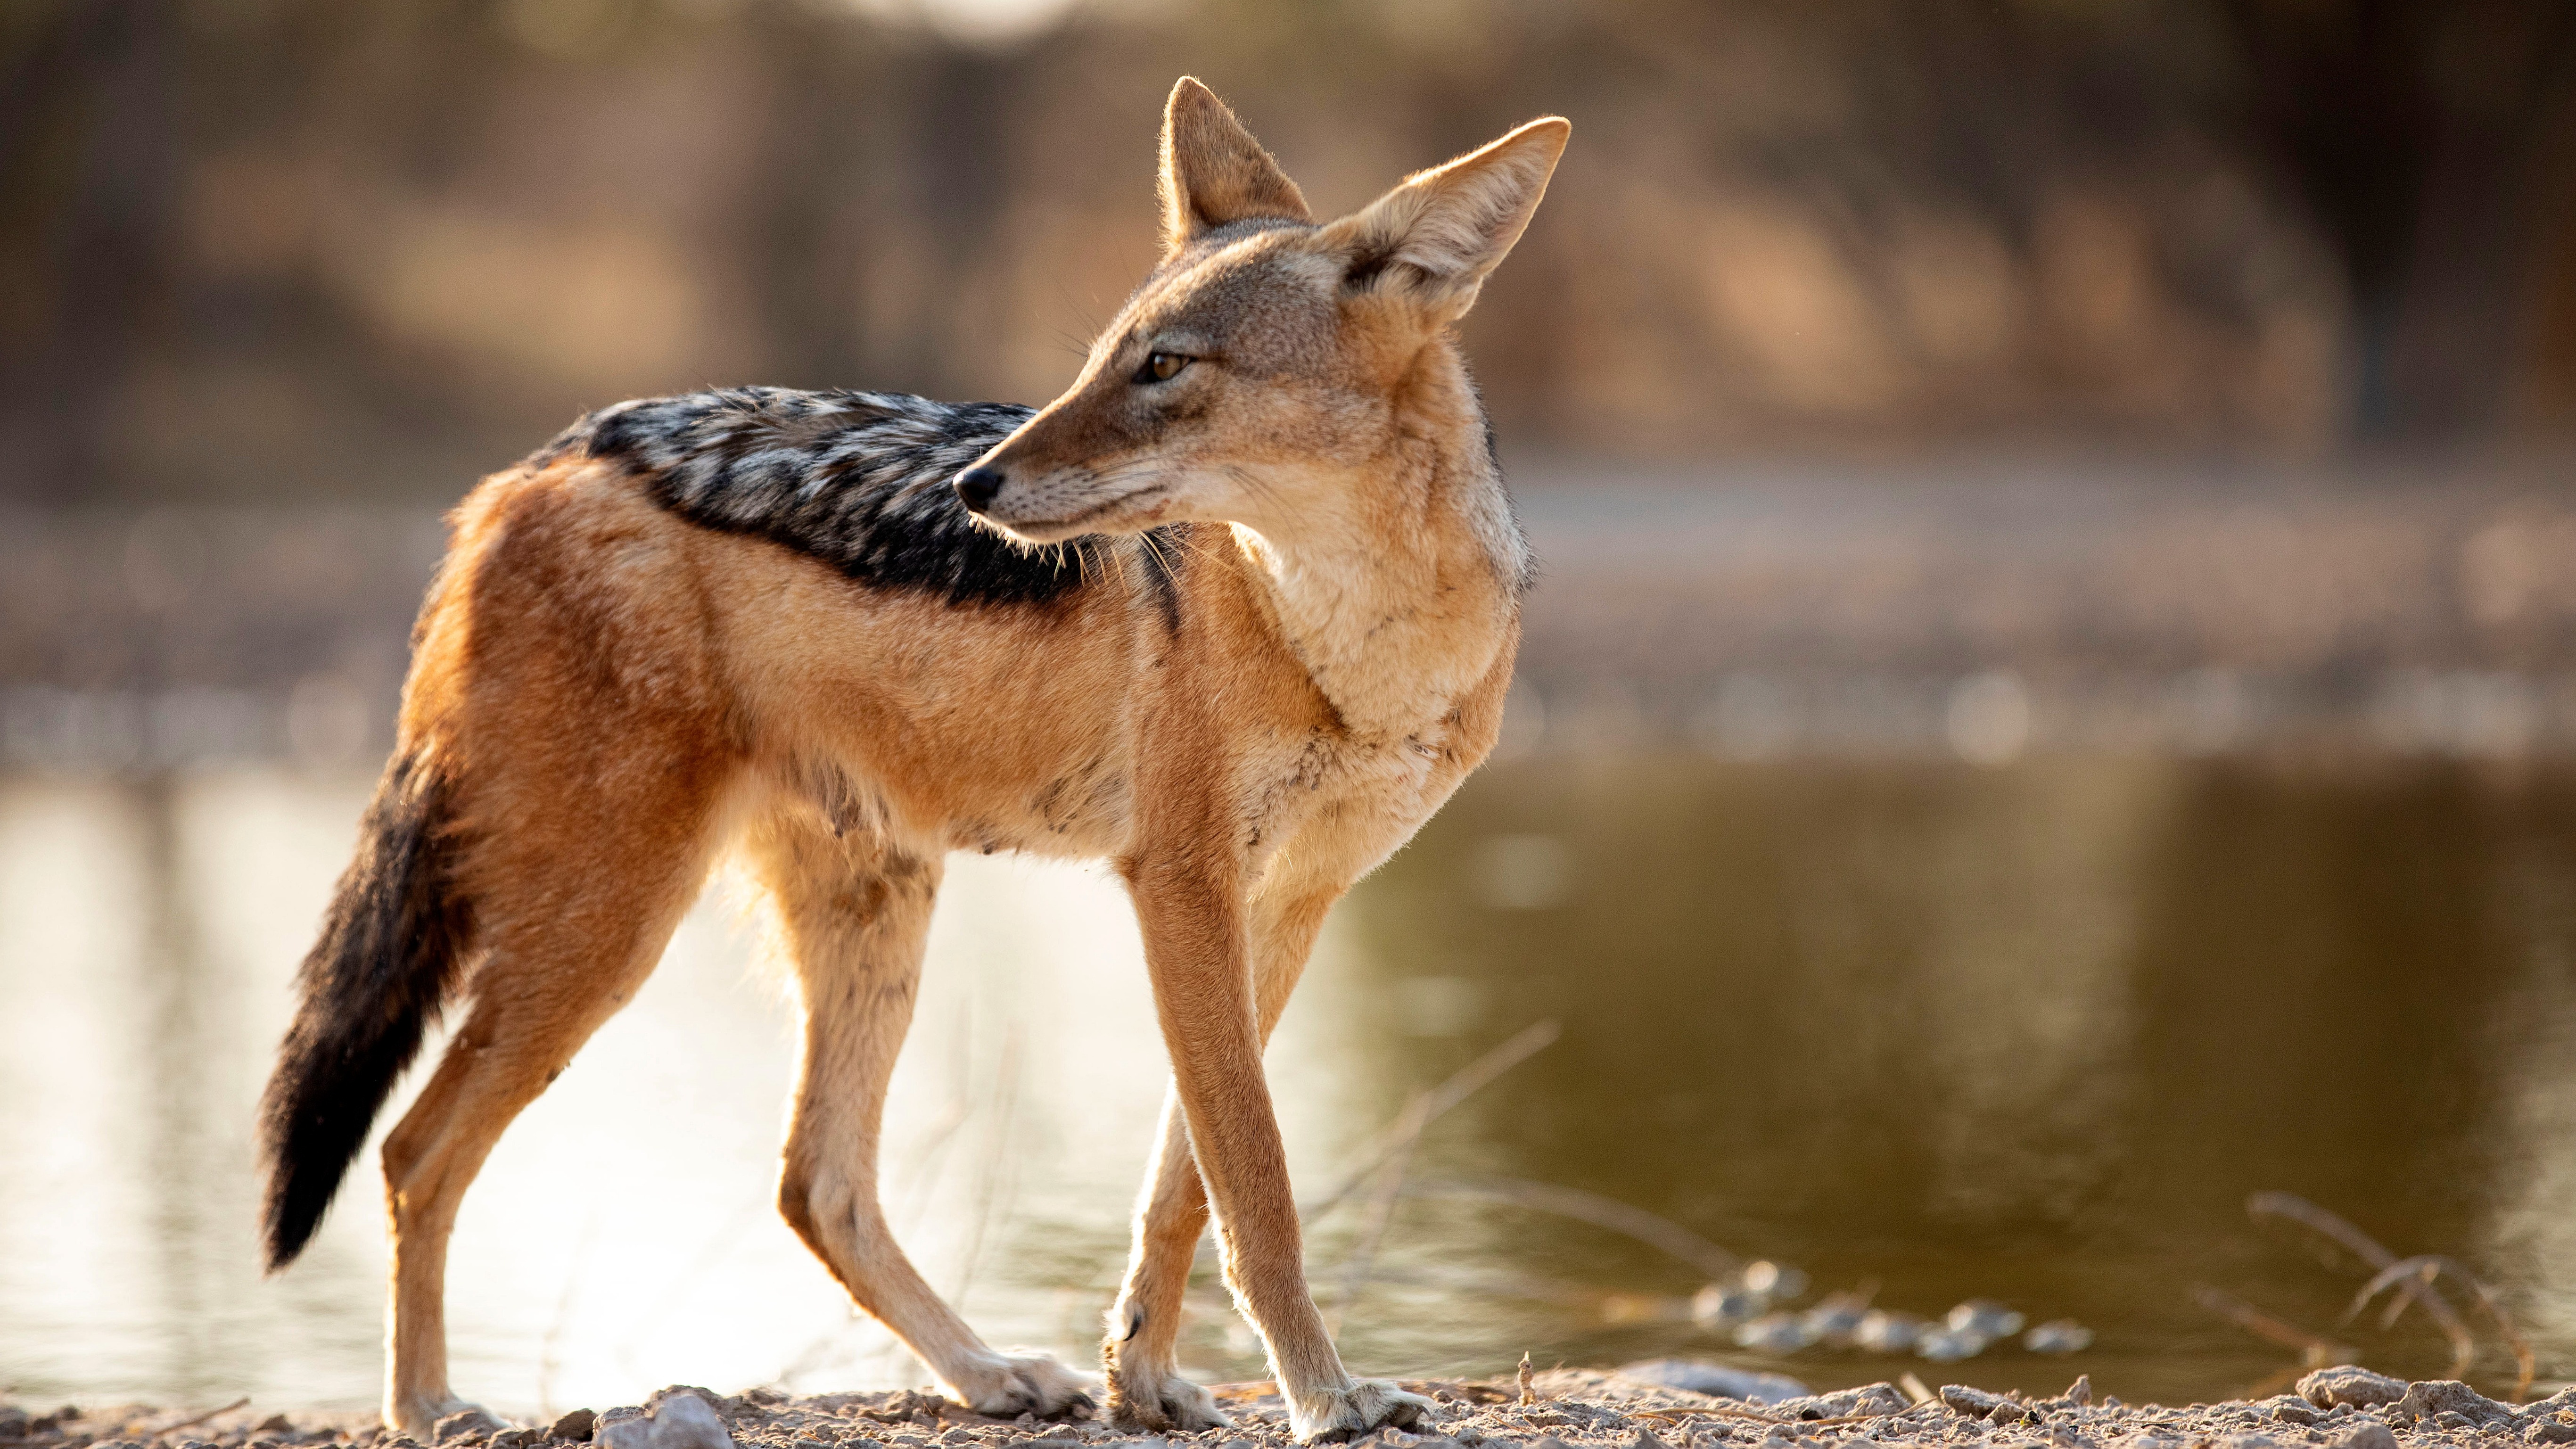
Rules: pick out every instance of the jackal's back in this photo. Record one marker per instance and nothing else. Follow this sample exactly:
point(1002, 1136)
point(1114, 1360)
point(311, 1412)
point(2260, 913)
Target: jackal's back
point(858, 480)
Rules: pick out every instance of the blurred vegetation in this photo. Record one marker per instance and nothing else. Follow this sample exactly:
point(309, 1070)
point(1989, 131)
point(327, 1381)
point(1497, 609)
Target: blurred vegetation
point(269, 248)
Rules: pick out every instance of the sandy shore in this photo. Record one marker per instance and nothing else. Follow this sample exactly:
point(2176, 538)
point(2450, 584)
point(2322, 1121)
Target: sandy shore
point(2342, 1408)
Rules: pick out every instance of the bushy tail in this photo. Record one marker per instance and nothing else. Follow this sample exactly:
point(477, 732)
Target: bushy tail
point(388, 956)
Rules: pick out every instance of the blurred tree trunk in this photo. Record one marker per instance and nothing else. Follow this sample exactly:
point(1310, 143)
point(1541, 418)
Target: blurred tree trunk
point(2429, 142)
point(90, 172)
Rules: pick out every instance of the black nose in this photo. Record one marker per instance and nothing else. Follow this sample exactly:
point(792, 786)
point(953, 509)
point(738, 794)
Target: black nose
point(978, 485)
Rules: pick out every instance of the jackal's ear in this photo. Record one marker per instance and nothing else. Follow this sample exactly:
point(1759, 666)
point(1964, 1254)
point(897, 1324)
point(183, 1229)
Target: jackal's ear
point(1214, 172)
point(1438, 235)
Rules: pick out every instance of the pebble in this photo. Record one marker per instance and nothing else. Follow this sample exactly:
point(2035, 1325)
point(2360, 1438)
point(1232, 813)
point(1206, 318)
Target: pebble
point(1720, 1305)
point(2291, 1409)
point(1985, 1317)
point(2058, 1336)
point(1722, 1380)
point(1867, 1401)
point(2442, 1400)
point(1975, 1403)
point(2349, 1384)
point(1776, 1333)
point(1832, 1321)
point(1943, 1344)
point(1773, 1280)
point(2369, 1434)
point(1882, 1330)
point(576, 1426)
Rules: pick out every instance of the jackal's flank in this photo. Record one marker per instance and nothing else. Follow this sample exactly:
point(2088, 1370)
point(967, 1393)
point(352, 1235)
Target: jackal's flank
point(1237, 612)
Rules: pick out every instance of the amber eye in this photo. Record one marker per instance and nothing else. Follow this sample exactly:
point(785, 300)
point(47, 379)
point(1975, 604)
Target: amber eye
point(1161, 367)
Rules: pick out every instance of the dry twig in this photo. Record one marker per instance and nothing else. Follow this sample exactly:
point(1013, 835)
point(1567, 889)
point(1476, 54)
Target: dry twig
point(2361, 1245)
point(1390, 1186)
point(2424, 1268)
point(190, 1423)
point(1712, 1261)
point(1466, 1082)
point(2314, 1351)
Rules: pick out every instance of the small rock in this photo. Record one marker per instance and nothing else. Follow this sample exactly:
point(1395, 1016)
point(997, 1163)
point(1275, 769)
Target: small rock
point(465, 1423)
point(2557, 1429)
point(1646, 1440)
point(2080, 1392)
point(13, 1422)
point(1833, 1321)
point(1984, 1317)
point(2368, 1434)
point(1720, 1305)
point(1884, 1331)
point(1775, 1333)
point(275, 1424)
point(575, 1426)
point(2291, 1409)
point(1949, 1345)
point(2350, 1385)
point(1975, 1403)
point(2058, 1336)
point(1771, 1280)
point(634, 1433)
point(1717, 1379)
point(687, 1421)
point(2437, 1399)
point(1869, 1401)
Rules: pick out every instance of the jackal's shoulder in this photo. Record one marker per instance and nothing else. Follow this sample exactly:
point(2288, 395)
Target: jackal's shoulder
point(858, 480)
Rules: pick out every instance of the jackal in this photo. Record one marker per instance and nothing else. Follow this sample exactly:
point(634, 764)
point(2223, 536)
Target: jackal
point(1236, 612)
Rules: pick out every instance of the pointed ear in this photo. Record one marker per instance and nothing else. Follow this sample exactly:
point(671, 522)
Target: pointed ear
point(1437, 236)
point(1214, 172)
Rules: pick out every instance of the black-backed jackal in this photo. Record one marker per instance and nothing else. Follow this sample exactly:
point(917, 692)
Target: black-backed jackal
point(1236, 612)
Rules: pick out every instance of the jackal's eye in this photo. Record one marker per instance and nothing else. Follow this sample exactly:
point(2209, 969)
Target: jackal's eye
point(1161, 367)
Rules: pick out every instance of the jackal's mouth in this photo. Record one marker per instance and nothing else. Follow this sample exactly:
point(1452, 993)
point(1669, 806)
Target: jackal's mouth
point(1080, 521)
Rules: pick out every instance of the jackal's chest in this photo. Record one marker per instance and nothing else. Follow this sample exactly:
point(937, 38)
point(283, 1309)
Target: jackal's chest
point(1355, 796)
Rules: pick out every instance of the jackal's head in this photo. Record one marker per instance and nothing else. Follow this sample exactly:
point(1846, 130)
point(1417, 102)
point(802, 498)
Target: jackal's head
point(1271, 367)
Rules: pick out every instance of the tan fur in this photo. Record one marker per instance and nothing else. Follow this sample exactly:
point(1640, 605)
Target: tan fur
point(618, 694)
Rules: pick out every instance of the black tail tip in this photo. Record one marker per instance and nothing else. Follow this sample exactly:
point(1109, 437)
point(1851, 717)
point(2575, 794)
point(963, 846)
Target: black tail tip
point(290, 1216)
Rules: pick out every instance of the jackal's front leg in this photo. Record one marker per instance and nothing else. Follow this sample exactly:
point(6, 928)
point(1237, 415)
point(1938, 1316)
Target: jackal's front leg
point(1141, 1351)
point(1213, 1025)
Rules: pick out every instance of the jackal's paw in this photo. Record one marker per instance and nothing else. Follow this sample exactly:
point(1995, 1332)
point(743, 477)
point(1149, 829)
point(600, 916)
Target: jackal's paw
point(1161, 1401)
point(1334, 1416)
point(1024, 1381)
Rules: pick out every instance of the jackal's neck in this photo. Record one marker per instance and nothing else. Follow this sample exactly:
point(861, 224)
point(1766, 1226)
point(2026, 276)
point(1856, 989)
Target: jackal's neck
point(1399, 598)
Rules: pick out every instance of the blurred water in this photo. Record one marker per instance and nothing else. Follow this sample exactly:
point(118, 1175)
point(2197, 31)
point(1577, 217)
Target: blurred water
point(2031, 1032)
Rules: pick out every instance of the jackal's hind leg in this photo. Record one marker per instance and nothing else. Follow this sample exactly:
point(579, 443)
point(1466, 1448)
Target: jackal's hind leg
point(1141, 1351)
point(574, 918)
point(854, 915)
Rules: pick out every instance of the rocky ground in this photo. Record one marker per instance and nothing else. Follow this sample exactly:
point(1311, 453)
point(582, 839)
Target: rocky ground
point(2345, 1408)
